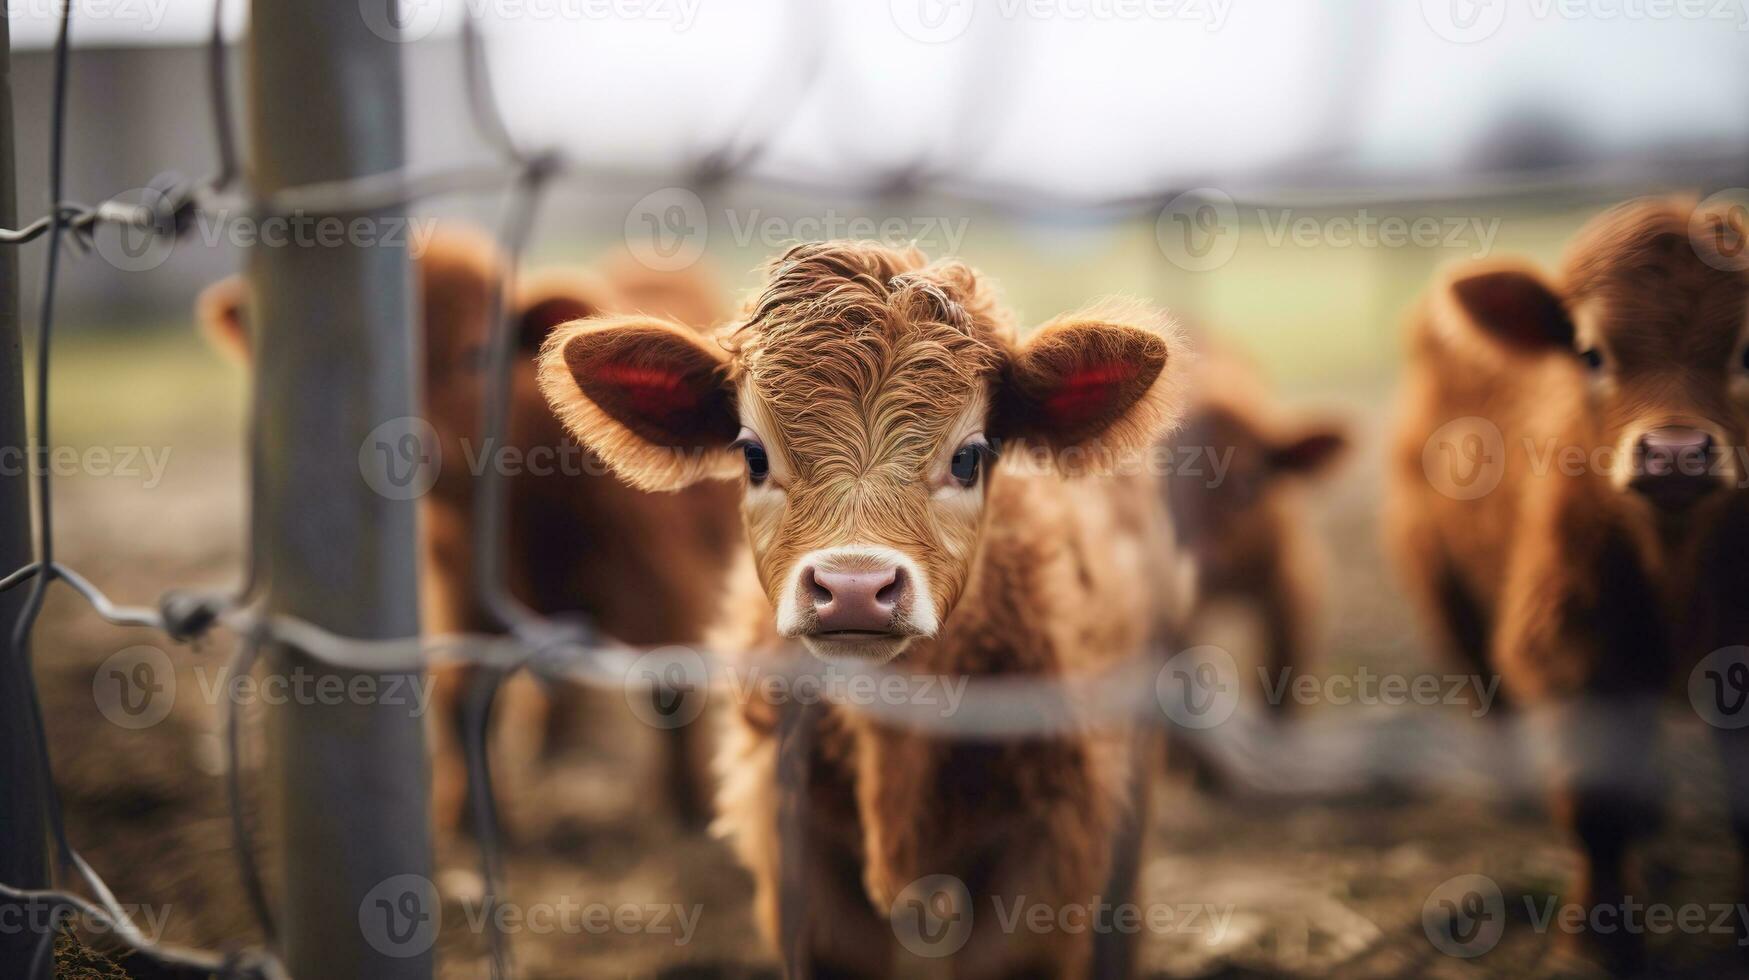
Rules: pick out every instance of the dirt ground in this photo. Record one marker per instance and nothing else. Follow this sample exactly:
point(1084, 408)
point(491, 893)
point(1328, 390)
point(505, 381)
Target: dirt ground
point(1326, 884)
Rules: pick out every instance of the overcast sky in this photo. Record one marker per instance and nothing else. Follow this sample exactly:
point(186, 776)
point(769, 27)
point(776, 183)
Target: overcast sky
point(1089, 97)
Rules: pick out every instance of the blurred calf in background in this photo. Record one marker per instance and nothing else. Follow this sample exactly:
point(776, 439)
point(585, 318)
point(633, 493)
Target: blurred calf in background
point(1569, 505)
point(645, 568)
point(1239, 465)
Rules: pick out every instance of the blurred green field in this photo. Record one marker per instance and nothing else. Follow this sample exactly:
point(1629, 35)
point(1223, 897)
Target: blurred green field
point(141, 385)
point(1317, 317)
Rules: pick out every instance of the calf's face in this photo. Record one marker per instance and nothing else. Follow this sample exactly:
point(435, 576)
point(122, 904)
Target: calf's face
point(1242, 461)
point(1651, 319)
point(863, 401)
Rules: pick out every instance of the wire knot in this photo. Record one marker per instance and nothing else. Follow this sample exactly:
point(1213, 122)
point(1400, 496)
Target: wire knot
point(189, 616)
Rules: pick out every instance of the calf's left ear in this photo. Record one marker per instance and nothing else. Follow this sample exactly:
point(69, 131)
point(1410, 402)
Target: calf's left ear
point(1093, 388)
point(546, 300)
point(650, 397)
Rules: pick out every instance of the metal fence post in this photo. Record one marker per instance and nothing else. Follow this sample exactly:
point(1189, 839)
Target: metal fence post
point(334, 350)
point(24, 858)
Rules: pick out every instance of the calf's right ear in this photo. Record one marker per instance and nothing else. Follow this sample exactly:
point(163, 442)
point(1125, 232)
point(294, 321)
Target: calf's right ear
point(649, 396)
point(219, 309)
point(1512, 303)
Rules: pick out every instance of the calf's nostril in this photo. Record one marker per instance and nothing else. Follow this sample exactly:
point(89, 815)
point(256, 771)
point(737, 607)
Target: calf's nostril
point(894, 590)
point(816, 591)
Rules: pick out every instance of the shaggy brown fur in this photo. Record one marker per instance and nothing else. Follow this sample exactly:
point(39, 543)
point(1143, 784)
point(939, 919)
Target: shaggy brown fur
point(1586, 596)
point(1238, 508)
point(647, 569)
point(861, 370)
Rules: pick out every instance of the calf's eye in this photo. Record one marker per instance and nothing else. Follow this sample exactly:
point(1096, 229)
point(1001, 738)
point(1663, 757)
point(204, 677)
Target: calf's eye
point(758, 466)
point(1744, 360)
point(1593, 358)
point(968, 463)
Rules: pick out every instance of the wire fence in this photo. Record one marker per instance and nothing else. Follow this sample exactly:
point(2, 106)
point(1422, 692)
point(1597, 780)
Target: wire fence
point(1254, 750)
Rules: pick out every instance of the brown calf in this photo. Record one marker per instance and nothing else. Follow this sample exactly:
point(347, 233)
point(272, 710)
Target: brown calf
point(646, 568)
point(1238, 466)
point(863, 401)
point(1568, 504)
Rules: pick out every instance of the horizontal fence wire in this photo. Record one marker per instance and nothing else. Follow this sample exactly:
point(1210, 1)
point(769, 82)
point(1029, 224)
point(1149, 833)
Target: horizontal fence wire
point(1256, 751)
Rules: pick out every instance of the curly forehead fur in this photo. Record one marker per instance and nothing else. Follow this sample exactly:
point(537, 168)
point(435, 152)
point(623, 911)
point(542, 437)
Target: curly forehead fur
point(862, 352)
point(1657, 267)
